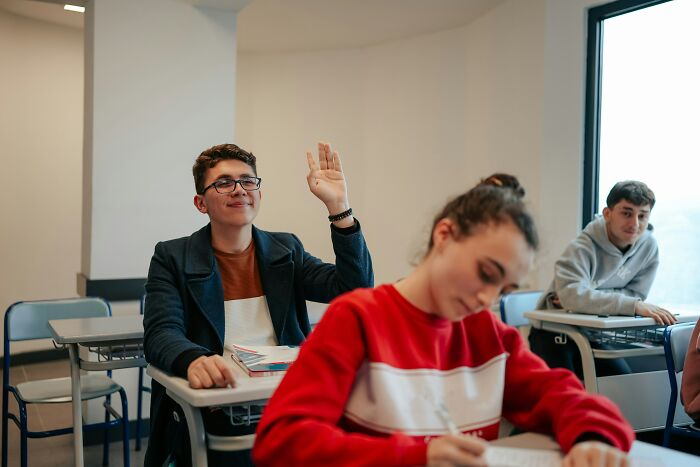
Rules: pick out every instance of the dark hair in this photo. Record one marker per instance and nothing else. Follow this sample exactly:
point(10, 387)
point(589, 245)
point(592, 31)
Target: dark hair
point(504, 181)
point(215, 154)
point(490, 203)
point(633, 191)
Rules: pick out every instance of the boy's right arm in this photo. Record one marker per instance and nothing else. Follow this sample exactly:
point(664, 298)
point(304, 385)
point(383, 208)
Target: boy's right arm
point(165, 338)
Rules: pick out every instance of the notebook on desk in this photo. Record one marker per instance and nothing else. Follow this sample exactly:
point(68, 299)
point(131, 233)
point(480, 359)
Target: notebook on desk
point(263, 360)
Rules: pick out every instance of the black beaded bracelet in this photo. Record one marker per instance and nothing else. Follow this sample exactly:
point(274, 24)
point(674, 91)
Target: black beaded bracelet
point(342, 215)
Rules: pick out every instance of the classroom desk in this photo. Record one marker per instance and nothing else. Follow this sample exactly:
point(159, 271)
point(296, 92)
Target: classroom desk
point(649, 390)
point(117, 342)
point(247, 391)
point(642, 454)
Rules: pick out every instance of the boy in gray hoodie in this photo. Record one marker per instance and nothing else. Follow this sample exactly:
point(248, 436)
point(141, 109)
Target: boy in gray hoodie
point(607, 270)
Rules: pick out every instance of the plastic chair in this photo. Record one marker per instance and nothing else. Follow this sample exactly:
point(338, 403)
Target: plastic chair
point(28, 321)
point(141, 388)
point(676, 340)
point(514, 304)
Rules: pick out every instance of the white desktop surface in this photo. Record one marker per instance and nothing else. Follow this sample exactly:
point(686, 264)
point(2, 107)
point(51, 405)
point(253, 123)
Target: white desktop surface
point(247, 389)
point(598, 322)
point(88, 330)
point(642, 453)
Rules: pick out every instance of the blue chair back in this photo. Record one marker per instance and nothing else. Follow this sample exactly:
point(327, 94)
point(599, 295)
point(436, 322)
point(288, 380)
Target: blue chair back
point(30, 320)
point(676, 341)
point(514, 304)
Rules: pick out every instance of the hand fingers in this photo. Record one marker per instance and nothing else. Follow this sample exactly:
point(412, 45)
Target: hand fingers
point(195, 382)
point(613, 458)
point(456, 450)
point(471, 444)
point(336, 161)
point(657, 317)
point(322, 157)
point(226, 372)
point(213, 369)
point(595, 454)
point(310, 160)
point(456, 456)
point(671, 317)
point(664, 317)
point(201, 375)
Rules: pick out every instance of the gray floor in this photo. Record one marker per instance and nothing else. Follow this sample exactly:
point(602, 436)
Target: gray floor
point(57, 450)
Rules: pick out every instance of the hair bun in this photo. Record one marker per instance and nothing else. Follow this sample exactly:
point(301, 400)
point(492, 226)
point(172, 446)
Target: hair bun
point(502, 180)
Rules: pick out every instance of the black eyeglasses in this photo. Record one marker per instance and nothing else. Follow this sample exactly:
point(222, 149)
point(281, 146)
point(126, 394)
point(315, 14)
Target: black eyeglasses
point(227, 185)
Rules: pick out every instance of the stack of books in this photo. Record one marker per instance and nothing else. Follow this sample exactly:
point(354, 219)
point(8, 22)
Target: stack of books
point(264, 360)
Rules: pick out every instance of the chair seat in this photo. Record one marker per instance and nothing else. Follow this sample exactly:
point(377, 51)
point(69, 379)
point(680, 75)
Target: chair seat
point(57, 390)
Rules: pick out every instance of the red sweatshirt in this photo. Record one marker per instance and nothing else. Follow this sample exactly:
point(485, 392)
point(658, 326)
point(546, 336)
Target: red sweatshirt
point(364, 388)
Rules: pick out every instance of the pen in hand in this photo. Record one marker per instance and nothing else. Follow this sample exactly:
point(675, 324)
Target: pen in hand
point(444, 415)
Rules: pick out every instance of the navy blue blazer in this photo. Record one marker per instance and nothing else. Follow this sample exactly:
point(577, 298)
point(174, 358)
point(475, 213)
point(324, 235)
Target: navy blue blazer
point(184, 310)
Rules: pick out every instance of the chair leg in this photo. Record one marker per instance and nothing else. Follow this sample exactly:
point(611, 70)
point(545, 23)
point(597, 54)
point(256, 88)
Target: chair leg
point(23, 434)
point(667, 437)
point(125, 426)
point(5, 410)
point(105, 444)
point(139, 408)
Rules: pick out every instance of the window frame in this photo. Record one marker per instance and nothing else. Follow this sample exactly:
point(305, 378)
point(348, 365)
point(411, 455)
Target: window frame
point(594, 73)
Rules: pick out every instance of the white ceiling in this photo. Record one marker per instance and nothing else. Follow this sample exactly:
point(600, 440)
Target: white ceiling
point(302, 25)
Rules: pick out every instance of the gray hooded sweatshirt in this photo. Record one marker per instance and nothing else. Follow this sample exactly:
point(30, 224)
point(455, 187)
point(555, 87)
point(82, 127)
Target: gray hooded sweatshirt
point(593, 276)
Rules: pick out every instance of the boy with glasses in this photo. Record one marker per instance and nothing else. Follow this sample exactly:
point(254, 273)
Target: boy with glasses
point(231, 282)
point(607, 270)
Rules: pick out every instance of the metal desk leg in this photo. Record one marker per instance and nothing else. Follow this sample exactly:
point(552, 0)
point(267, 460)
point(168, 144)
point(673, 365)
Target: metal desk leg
point(590, 380)
point(77, 402)
point(195, 426)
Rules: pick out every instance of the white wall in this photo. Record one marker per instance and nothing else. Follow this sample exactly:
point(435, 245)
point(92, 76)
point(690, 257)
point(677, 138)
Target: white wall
point(503, 93)
point(562, 129)
point(417, 121)
point(160, 81)
point(41, 120)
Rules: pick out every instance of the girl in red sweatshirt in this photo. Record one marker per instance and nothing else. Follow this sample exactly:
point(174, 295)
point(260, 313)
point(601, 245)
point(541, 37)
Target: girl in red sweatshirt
point(389, 374)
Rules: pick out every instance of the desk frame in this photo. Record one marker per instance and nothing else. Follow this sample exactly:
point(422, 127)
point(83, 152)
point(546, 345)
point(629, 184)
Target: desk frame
point(572, 326)
point(247, 391)
point(103, 332)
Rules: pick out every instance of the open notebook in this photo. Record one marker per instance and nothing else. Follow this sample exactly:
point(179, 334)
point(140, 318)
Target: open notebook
point(263, 360)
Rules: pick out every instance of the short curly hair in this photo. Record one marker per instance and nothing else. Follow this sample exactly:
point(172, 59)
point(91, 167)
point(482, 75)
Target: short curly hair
point(215, 154)
point(633, 191)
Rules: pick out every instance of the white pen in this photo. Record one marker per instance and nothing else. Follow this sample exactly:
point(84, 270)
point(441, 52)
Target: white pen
point(444, 415)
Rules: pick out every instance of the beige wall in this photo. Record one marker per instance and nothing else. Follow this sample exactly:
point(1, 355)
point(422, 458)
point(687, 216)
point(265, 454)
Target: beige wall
point(41, 119)
point(503, 93)
point(417, 121)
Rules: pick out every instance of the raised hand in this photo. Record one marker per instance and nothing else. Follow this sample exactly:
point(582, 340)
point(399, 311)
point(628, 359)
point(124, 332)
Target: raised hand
point(326, 179)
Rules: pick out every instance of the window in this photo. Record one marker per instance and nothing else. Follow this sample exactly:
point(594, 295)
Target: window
point(642, 120)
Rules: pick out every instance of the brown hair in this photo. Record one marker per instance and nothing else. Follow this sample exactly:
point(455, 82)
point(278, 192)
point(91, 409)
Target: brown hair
point(502, 180)
point(490, 202)
point(635, 192)
point(212, 156)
